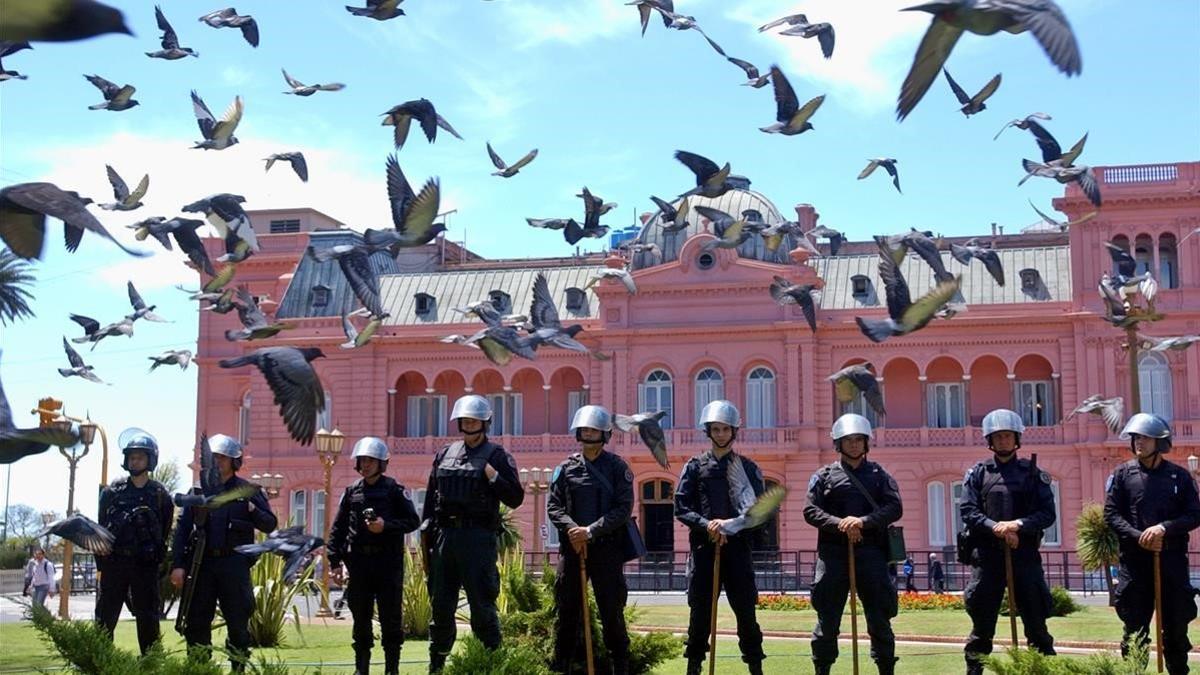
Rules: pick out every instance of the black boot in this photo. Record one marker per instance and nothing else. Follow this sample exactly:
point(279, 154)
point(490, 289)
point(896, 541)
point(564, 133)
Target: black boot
point(974, 667)
point(391, 660)
point(755, 667)
point(436, 662)
point(362, 662)
point(695, 663)
point(823, 668)
point(887, 667)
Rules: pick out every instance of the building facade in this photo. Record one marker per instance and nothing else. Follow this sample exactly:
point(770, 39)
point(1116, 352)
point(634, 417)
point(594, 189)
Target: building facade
point(703, 326)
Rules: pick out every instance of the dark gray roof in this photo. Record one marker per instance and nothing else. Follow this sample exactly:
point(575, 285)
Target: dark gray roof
point(978, 288)
point(297, 300)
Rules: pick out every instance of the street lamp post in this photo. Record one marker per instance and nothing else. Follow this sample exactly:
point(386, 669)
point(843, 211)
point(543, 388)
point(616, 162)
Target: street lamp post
point(47, 518)
point(50, 407)
point(329, 448)
point(271, 484)
point(532, 482)
point(87, 434)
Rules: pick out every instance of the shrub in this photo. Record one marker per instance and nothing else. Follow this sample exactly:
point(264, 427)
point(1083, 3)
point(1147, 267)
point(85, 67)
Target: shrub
point(787, 603)
point(14, 553)
point(1030, 662)
point(1064, 604)
point(510, 659)
point(931, 601)
point(418, 610)
point(273, 599)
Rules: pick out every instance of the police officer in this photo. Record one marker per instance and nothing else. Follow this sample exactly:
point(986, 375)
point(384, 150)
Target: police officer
point(853, 500)
point(368, 535)
point(708, 494)
point(224, 574)
point(138, 511)
point(1152, 505)
point(469, 481)
point(591, 498)
point(1006, 502)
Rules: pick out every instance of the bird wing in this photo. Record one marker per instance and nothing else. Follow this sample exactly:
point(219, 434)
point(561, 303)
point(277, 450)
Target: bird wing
point(73, 356)
point(229, 121)
point(120, 189)
point(1126, 265)
point(920, 312)
point(1045, 217)
point(807, 111)
point(529, 156)
point(496, 352)
point(790, 19)
point(189, 242)
point(991, 262)
point(356, 266)
point(987, 91)
point(895, 287)
point(766, 506)
point(204, 117)
point(400, 193)
point(250, 32)
point(1087, 183)
point(418, 221)
point(48, 199)
point(297, 390)
point(1113, 412)
point(786, 103)
point(939, 40)
point(140, 191)
point(299, 165)
point(750, 69)
point(108, 89)
point(543, 313)
point(134, 298)
point(702, 167)
point(169, 39)
point(1045, 140)
point(959, 93)
point(89, 324)
point(808, 307)
point(252, 317)
point(292, 82)
point(1049, 27)
point(870, 168)
point(496, 161)
point(826, 37)
point(1071, 155)
point(441, 122)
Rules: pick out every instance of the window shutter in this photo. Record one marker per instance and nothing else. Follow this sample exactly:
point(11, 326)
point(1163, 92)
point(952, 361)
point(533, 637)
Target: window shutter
point(518, 422)
point(498, 414)
point(956, 405)
point(414, 417)
point(439, 414)
point(931, 405)
point(642, 404)
point(936, 498)
point(575, 402)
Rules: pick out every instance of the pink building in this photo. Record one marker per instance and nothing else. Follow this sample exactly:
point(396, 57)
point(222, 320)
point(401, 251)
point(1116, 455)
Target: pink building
point(702, 326)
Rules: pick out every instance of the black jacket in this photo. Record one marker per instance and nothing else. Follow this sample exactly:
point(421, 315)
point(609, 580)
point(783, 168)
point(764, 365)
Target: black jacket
point(578, 499)
point(349, 534)
point(227, 527)
point(1139, 498)
point(833, 496)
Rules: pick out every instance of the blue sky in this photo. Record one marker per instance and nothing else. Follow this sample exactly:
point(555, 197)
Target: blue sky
point(605, 107)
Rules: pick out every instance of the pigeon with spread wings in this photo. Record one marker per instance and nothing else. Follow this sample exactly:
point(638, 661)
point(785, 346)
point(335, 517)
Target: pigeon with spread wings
point(647, 424)
point(1111, 410)
point(412, 213)
point(401, 117)
point(850, 381)
point(170, 41)
point(83, 532)
point(292, 379)
point(23, 211)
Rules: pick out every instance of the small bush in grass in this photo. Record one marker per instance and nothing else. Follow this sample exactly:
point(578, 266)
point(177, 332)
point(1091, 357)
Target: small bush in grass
point(1030, 662)
point(511, 658)
point(418, 609)
point(931, 601)
point(786, 603)
point(1062, 603)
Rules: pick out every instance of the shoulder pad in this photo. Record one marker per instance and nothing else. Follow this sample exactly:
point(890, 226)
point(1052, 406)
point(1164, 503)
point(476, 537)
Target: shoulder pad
point(1108, 484)
point(557, 472)
point(1045, 477)
point(812, 482)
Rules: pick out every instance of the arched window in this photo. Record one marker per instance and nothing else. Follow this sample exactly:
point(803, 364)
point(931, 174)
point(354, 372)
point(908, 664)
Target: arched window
point(658, 515)
point(1052, 536)
point(318, 510)
point(325, 415)
point(1168, 262)
point(1143, 253)
point(760, 399)
point(710, 386)
point(297, 513)
point(244, 419)
point(1154, 380)
point(656, 394)
point(936, 508)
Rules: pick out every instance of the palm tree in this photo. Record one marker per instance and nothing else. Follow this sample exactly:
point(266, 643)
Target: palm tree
point(1096, 543)
point(15, 279)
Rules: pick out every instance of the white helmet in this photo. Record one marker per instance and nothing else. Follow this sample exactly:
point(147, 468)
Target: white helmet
point(720, 411)
point(220, 444)
point(849, 425)
point(1152, 426)
point(1002, 419)
point(370, 446)
point(472, 406)
point(592, 417)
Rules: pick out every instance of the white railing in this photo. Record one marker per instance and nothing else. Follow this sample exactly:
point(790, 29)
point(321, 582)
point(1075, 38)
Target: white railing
point(1142, 173)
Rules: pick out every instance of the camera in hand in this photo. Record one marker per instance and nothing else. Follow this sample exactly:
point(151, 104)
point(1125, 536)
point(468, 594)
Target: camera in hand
point(368, 515)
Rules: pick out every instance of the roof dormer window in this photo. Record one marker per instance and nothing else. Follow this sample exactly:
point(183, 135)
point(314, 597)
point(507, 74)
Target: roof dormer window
point(1031, 280)
point(860, 286)
point(424, 303)
point(320, 296)
point(576, 299)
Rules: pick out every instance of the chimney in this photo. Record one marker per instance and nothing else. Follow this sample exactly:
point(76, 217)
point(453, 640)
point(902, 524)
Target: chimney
point(1001, 230)
point(993, 229)
point(806, 216)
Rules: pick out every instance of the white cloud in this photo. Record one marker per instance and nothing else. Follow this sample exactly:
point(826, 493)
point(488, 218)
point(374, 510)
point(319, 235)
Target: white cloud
point(573, 23)
point(873, 50)
point(235, 76)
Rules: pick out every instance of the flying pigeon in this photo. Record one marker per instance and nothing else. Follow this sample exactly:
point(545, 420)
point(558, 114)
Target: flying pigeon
point(547, 327)
point(296, 159)
point(180, 357)
point(673, 218)
point(17, 443)
point(650, 431)
point(355, 263)
point(83, 532)
point(499, 343)
point(973, 104)
point(412, 213)
point(730, 232)
point(763, 509)
point(1042, 18)
point(293, 380)
point(1126, 276)
point(356, 338)
point(78, 367)
point(1081, 175)
point(23, 211)
point(786, 293)
point(229, 18)
point(1022, 123)
point(791, 118)
point(754, 78)
point(506, 171)
point(1064, 225)
point(622, 276)
point(972, 250)
point(858, 378)
point(1111, 410)
point(711, 181)
point(170, 41)
point(254, 321)
point(94, 333)
point(1177, 343)
point(291, 544)
point(380, 10)
point(888, 164)
point(217, 135)
point(800, 26)
point(7, 48)
point(925, 247)
point(59, 20)
point(140, 310)
point(904, 315)
point(224, 211)
point(401, 117)
point(126, 200)
point(116, 98)
point(183, 230)
point(1052, 153)
point(836, 238)
point(300, 89)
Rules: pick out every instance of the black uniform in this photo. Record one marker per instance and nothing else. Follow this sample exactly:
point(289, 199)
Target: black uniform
point(224, 574)
point(703, 494)
point(140, 520)
point(993, 492)
point(597, 495)
point(831, 497)
point(375, 562)
point(1139, 498)
point(463, 508)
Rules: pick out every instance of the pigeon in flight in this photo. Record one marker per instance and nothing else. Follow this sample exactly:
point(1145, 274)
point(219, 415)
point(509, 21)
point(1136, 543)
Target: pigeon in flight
point(140, 310)
point(1022, 123)
point(7, 48)
point(94, 333)
point(412, 213)
point(217, 135)
point(170, 41)
point(593, 208)
point(355, 263)
point(889, 165)
point(300, 89)
point(506, 171)
point(59, 20)
point(116, 98)
point(78, 367)
point(126, 200)
point(800, 26)
point(229, 18)
point(1052, 153)
point(764, 508)
point(17, 443)
point(850, 381)
point(711, 181)
point(547, 327)
point(224, 211)
point(1127, 277)
point(622, 276)
point(791, 118)
point(1176, 343)
point(356, 338)
point(672, 218)
point(499, 343)
point(754, 78)
point(83, 532)
point(401, 117)
point(23, 211)
point(665, 9)
point(773, 237)
point(730, 232)
point(293, 380)
point(1080, 175)
point(179, 357)
point(254, 321)
point(184, 232)
point(647, 424)
point(973, 251)
point(904, 315)
point(925, 247)
point(973, 104)
point(1043, 18)
point(1064, 225)
point(836, 238)
point(296, 159)
point(380, 10)
point(552, 223)
point(786, 293)
point(291, 544)
point(1111, 410)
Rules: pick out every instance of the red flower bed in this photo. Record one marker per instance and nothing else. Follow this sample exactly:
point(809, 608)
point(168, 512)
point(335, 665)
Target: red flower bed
point(930, 601)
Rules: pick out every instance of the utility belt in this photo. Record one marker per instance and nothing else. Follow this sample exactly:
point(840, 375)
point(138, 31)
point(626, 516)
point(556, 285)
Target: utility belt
point(450, 522)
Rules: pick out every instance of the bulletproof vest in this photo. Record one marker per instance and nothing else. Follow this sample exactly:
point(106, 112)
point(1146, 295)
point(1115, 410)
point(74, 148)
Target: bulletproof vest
point(587, 499)
point(1010, 492)
point(133, 519)
point(359, 497)
point(231, 525)
point(462, 482)
point(713, 486)
point(1155, 496)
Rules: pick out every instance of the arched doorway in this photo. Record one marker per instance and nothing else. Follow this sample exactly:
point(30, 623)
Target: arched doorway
point(658, 515)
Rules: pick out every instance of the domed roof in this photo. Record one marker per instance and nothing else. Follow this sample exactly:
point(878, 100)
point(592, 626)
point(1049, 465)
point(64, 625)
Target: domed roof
point(735, 203)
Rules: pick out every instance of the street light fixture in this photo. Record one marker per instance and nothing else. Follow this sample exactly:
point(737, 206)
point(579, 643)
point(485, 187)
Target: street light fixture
point(531, 481)
point(86, 434)
point(270, 483)
point(1193, 464)
point(47, 518)
point(329, 448)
